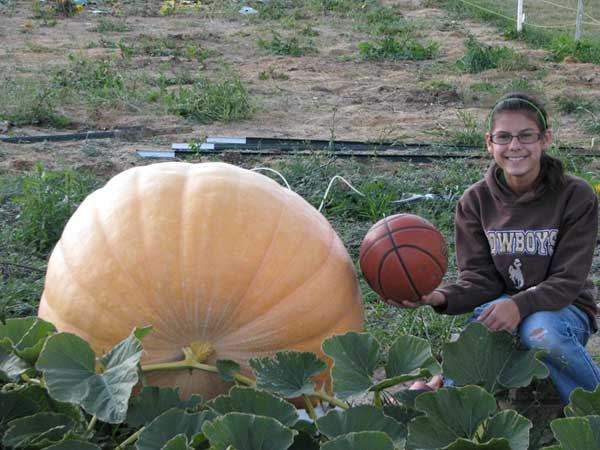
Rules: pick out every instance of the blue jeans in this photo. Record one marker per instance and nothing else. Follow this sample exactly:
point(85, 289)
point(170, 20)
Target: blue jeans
point(563, 334)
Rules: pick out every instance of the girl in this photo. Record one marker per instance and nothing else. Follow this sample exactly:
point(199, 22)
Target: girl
point(525, 238)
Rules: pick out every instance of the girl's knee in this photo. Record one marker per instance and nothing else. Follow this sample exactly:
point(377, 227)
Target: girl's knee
point(541, 330)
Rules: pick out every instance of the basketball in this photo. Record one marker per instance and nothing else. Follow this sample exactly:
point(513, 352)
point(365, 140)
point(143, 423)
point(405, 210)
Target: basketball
point(403, 257)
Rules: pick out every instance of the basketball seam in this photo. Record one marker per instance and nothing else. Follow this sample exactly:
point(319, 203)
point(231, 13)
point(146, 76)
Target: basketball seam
point(415, 227)
point(407, 273)
point(416, 247)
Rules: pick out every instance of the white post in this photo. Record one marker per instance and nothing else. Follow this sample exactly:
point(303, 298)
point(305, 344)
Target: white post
point(579, 20)
point(520, 16)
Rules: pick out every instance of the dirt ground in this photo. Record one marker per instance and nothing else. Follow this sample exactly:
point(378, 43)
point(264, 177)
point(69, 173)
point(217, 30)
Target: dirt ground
point(332, 93)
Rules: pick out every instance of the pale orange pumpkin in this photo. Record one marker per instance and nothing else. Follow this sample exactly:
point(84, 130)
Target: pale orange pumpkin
point(212, 256)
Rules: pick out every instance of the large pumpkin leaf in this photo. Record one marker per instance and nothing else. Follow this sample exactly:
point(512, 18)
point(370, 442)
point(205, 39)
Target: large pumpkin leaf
point(69, 367)
point(179, 442)
point(509, 425)
point(171, 424)
point(11, 366)
point(27, 335)
point(248, 432)
point(288, 373)
point(361, 418)
point(30, 400)
point(14, 405)
point(491, 360)
point(450, 413)
point(494, 444)
point(577, 433)
point(583, 403)
point(251, 401)
point(38, 430)
point(410, 357)
point(355, 357)
point(72, 444)
point(371, 440)
point(152, 401)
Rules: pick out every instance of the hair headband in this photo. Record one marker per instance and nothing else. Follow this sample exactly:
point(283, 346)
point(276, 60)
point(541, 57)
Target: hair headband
point(520, 99)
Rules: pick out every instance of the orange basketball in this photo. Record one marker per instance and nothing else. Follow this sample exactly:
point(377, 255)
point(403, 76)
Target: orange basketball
point(403, 257)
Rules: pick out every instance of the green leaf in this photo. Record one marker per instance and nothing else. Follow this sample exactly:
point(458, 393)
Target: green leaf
point(169, 425)
point(371, 440)
point(11, 366)
point(409, 358)
point(510, 425)
point(355, 357)
point(27, 335)
point(179, 442)
point(14, 405)
point(69, 365)
point(491, 360)
point(142, 332)
point(583, 403)
point(401, 413)
point(227, 369)
point(152, 401)
point(251, 401)
point(288, 373)
point(361, 418)
point(30, 400)
point(577, 433)
point(73, 444)
point(450, 413)
point(248, 432)
point(494, 444)
point(41, 428)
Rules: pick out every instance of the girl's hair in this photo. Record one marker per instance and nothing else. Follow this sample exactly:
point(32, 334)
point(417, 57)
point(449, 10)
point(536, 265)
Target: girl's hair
point(552, 169)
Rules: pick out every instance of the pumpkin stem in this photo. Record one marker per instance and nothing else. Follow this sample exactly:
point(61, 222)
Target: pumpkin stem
point(201, 350)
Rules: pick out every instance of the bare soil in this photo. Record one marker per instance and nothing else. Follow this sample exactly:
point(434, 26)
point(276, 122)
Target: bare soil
point(331, 93)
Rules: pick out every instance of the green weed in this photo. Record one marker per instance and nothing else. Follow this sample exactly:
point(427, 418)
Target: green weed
point(47, 201)
point(292, 45)
point(164, 46)
point(469, 134)
point(272, 74)
point(574, 104)
point(398, 48)
point(209, 101)
point(26, 101)
point(106, 25)
point(480, 57)
point(89, 75)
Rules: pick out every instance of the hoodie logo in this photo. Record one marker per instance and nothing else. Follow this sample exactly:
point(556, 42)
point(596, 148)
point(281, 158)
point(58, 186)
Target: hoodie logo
point(515, 274)
point(522, 242)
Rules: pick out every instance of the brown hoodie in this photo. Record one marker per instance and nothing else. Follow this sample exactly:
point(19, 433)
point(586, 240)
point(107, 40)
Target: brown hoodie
point(537, 247)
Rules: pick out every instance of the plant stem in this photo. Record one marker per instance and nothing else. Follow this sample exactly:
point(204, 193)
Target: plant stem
point(92, 423)
point(310, 408)
point(130, 440)
point(377, 399)
point(190, 362)
point(332, 400)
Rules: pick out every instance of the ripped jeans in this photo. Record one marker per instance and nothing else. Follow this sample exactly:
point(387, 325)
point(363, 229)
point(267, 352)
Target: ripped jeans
point(563, 334)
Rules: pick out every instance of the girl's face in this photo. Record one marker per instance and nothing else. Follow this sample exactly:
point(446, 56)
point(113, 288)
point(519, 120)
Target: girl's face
point(519, 160)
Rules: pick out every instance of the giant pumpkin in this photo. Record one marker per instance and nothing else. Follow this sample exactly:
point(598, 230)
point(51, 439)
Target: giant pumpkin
point(214, 257)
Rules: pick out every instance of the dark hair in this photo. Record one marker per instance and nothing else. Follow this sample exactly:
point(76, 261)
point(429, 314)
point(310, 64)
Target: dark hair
point(552, 169)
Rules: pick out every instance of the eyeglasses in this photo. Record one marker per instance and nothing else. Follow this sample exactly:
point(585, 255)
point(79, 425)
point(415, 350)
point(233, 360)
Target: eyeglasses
point(502, 138)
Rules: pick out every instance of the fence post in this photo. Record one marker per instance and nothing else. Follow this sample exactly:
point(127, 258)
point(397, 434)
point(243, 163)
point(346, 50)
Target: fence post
point(520, 16)
point(579, 20)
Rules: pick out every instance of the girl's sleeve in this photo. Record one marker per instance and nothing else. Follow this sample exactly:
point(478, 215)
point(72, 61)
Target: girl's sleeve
point(478, 280)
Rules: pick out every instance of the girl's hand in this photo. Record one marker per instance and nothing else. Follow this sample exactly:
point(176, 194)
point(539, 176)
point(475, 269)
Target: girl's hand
point(435, 298)
point(502, 315)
